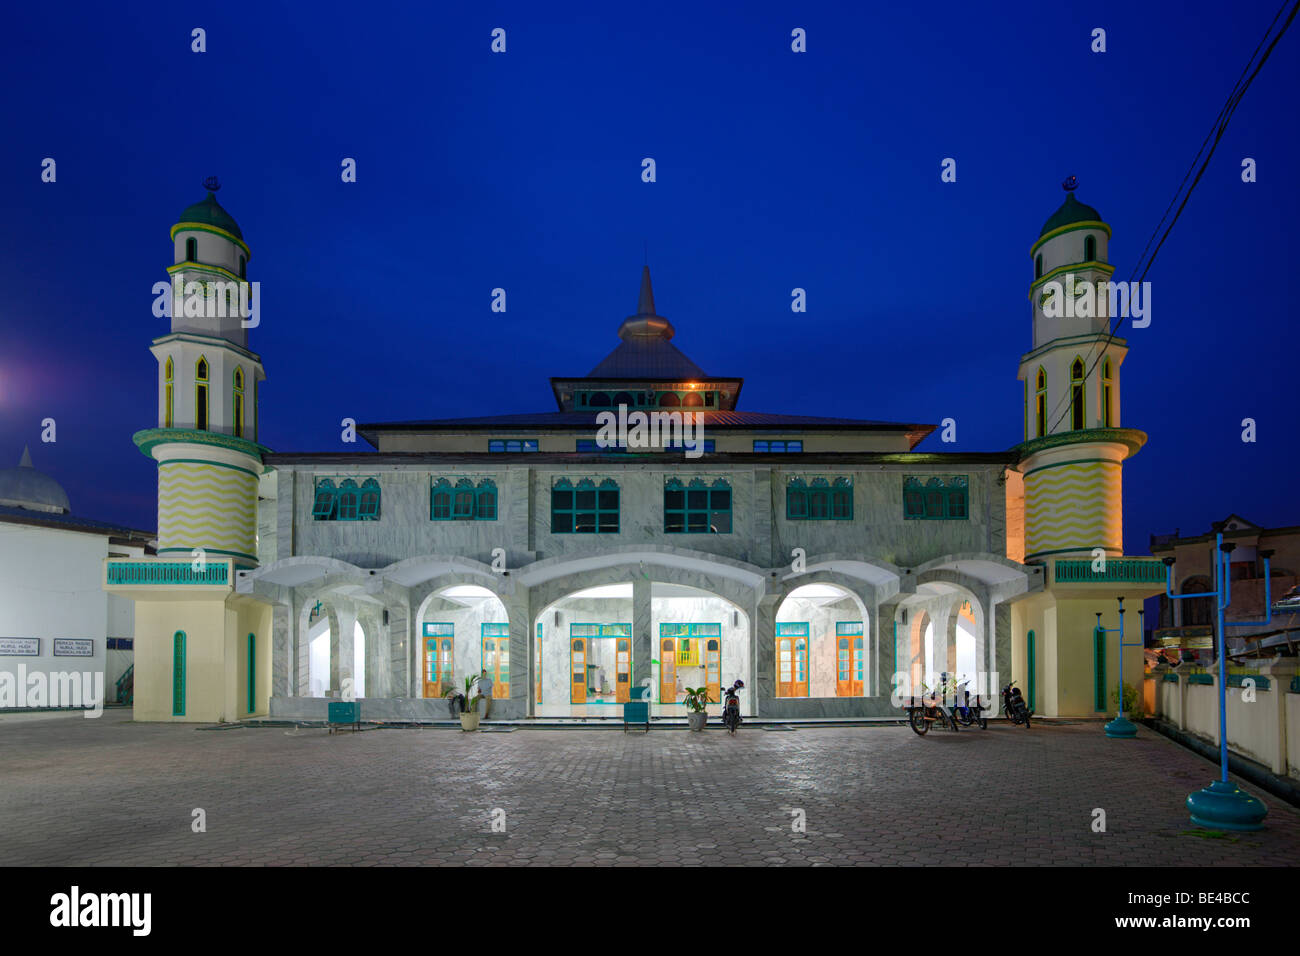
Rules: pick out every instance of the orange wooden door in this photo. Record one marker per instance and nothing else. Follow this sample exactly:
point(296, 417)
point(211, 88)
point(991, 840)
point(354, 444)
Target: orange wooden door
point(843, 667)
point(668, 671)
point(859, 667)
point(496, 658)
point(713, 668)
point(537, 663)
point(622, 670)
point(792, 666)
point(438, 678)
point(578, 670)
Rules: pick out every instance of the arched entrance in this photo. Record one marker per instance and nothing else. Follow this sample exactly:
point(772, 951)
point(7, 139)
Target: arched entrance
point(463, 632)
point(823, 643)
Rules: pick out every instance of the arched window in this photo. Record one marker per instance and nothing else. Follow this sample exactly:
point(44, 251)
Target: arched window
point(598, 399)
point(169, 392)
point(1040, 404)
point(1077, 395)
point(697, 508)
point(440, 501)
point(1089, 249)
point(462, 500)
point(1038, 266)
point(349, 501)
point(693, 400)
point(368, 508)
point(796, 500)
point(237, 404)
point(201, 394)
point(485, 500)
point(191, 250)
point(624, 398)
point(1107, 396)
point(326, 501)
point(669, 400)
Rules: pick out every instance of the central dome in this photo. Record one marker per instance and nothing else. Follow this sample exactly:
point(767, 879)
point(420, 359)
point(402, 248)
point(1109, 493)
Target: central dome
point(209, 212)
point(25, 487)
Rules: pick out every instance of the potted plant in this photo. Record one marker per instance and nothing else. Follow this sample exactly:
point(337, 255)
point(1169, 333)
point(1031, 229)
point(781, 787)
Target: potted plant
point(464, 704)
point(695, 700)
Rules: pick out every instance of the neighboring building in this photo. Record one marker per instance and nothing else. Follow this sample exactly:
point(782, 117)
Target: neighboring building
point(54, 614)
point(1191, 626)
point(815, 557)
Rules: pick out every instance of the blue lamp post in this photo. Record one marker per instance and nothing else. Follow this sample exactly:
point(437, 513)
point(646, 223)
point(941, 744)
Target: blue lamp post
point(1224, 805)
point(1121, 726)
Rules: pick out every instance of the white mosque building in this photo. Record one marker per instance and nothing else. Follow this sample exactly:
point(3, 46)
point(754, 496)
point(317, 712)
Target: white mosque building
point(55, 618)
point(815, 558)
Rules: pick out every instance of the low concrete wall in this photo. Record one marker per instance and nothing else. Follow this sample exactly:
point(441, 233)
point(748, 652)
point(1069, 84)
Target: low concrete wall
point(1263, 723)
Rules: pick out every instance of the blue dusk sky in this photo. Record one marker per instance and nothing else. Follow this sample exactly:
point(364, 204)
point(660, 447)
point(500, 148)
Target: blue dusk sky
point(775, 170)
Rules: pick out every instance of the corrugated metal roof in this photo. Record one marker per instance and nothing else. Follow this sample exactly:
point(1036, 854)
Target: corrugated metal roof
point(71, 523)
point(645, 357)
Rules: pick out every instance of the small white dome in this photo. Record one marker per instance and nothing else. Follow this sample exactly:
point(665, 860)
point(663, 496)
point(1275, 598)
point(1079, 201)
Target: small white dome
point(25, 487)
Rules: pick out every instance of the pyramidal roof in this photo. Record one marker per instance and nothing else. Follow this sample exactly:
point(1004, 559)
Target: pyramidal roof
point(646, 351)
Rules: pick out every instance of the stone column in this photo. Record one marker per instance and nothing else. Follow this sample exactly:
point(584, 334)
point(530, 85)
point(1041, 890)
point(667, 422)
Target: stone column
point(521, 650)
point(377, 654)
point(643, 642)
point(284, 648)
point(881, 638)
point(342, 649)
point(937, 659)
point(764, 650)
point(399, 642)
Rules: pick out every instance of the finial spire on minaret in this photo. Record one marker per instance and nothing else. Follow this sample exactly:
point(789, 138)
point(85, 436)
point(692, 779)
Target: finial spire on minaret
point(645, 303)
point(212, 184)
point(1071, 184)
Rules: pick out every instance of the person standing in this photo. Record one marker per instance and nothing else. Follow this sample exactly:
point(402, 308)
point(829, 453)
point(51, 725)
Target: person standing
point(485, 685)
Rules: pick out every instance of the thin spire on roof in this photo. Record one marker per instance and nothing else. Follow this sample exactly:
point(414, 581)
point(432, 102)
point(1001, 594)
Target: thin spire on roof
point(645, 303)
point(26, 460)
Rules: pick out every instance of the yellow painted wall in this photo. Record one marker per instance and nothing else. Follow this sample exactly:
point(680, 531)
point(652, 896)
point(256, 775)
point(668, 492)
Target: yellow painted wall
point(1075, 620)
point(215, 658)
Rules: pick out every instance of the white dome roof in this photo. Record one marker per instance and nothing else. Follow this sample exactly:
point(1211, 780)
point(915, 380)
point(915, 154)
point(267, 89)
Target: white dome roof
point(25, 487)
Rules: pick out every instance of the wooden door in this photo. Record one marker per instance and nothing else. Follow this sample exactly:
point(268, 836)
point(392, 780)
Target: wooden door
point(537, 663)
point(438, 659)
point(843, 667)
point(496, 658)
point(859, 667)
point(622, 670)
point(578, 670)
point(668, 671)
point(792, 666)
point(713, 668)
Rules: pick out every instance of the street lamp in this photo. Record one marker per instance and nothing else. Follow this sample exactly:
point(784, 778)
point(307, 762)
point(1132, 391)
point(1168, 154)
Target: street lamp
point(1224, 805)
point(1121, 726)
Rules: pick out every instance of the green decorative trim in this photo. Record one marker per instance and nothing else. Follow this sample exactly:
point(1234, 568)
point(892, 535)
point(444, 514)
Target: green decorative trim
point(1200, 679)
point(1034, 356)
point(232, 554)
point(1118, 571)
point(150, 438)
point(1089, 548)
point(1066, 269)
point(166, 572)
point(198, 339)
point(1071, 227)
point(1170, 678)
point(1073, 461)
point(1295, 684)
point(202, 227)
point(1130, 437)
point(214, 464)
point(189, 265)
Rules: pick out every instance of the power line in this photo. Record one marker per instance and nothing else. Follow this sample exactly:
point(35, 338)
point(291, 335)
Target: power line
point(1216, 132)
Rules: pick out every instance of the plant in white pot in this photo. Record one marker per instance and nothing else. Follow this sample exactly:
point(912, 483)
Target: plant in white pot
point(465, 705)
point(695, 700)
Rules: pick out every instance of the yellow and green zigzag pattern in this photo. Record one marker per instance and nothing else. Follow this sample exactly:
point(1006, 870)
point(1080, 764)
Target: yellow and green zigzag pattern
point(206, 506)
point(1075, 505)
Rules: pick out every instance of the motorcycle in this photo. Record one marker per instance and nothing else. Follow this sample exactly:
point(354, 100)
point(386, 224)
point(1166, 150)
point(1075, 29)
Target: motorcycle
point(930, 709)
point(1014, 705)
point(731, 706)
point(967, 713)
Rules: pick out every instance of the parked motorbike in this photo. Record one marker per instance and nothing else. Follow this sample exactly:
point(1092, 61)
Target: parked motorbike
point(967, 713)
point(930, 707)
point(731, 706)
point(1014, 705)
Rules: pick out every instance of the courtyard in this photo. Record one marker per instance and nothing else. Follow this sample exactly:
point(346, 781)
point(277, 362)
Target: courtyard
point(78, 792)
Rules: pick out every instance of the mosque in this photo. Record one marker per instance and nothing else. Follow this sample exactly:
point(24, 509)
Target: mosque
point(823, 560)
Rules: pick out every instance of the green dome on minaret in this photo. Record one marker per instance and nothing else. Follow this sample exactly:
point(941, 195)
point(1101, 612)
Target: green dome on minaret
point(1071, 210)
point(209, 212)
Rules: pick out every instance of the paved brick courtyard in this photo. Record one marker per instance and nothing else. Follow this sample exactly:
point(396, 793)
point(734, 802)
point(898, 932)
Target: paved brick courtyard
point(108, 791)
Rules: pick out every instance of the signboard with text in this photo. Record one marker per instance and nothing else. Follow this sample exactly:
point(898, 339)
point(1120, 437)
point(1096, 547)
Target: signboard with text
point(20, 646)
point(73, 647)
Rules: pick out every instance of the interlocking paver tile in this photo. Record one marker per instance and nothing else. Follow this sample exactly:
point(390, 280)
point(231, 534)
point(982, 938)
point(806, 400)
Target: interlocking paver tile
point(111, 792)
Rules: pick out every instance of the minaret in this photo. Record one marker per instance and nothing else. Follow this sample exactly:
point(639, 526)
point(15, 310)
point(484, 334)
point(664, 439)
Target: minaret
point(1074, 446)
point(209, 461)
